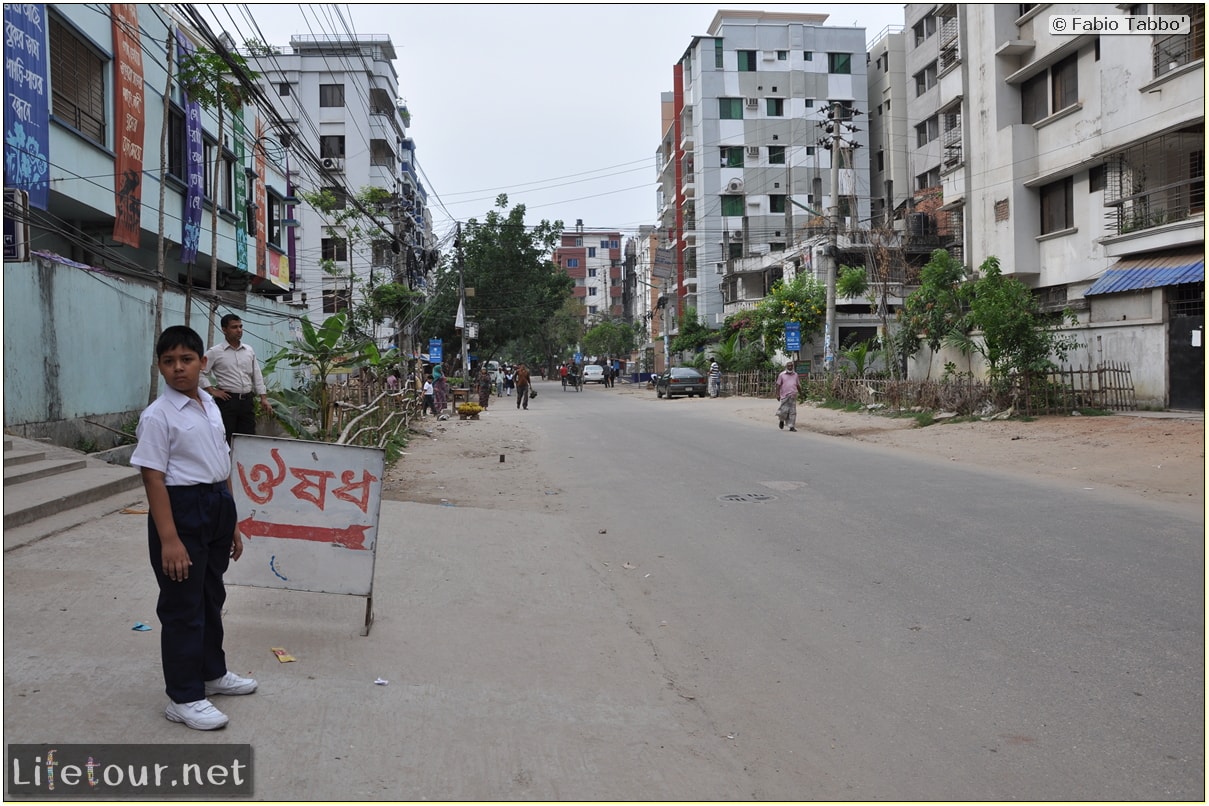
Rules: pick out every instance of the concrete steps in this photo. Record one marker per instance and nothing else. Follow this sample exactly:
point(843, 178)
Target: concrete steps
point(48, 489)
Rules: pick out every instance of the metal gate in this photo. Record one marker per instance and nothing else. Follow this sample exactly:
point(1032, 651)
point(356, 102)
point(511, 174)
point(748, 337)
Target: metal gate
point(1186, 347)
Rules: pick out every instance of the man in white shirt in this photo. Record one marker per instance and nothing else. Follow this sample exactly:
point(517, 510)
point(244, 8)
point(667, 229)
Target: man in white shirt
point(235, 375)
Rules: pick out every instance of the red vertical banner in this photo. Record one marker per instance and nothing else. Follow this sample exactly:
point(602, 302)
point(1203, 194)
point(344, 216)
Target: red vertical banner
point(128, 117)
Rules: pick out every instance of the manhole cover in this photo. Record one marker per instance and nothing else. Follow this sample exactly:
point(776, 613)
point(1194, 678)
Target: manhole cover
point(747, 498)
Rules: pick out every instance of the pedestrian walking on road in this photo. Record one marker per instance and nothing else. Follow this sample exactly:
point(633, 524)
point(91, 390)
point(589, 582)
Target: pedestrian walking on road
point(484, 383)
point(715, 378)
point(522, 386)
point(192, 534)
point(429, 398)
point(787, 393)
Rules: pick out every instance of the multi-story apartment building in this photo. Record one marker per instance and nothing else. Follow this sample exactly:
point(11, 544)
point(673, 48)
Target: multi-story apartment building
point(741, 158)
point(1078, 161)
point(650, 271)
point(889, 177)
point(593, 259)
point(337, 95)
point(90, 219)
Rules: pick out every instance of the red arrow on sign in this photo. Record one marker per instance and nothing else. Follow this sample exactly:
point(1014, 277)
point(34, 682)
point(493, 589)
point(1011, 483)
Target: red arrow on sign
point(351, 537)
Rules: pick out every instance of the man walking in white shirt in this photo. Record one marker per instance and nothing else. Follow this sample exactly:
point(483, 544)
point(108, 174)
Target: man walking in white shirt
point(235, 374)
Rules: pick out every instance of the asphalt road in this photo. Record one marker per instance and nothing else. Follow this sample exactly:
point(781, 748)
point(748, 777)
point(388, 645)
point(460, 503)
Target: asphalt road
point(701, 608)
point(871, 626)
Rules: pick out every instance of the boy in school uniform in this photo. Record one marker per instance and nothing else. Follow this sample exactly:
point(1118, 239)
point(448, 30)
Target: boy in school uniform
point(185, 461)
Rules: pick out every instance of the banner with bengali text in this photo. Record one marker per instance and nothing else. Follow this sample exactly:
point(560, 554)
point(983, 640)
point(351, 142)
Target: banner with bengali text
point(128, 115)
point(27, 102)
point(195, 170)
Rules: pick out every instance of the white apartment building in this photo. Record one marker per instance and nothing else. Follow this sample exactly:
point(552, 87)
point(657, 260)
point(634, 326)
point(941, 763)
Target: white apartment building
point(741, 147)
point(1077, 161)
point(592, 258)
point(890, 182)
point(339, 98)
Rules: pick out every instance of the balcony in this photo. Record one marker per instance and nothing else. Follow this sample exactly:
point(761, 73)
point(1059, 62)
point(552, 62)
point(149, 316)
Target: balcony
point(1159, 182)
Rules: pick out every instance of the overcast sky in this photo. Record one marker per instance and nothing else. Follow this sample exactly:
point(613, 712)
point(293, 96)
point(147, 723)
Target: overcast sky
point(556, 105)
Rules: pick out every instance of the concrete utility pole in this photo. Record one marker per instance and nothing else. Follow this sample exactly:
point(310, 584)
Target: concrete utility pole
point(837, 117)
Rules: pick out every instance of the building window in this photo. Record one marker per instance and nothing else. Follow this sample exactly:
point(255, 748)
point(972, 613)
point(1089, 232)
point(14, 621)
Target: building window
point(331, 146)
point(591, 251)
point(808, 55)
point(591, 272)
point(1065, 82)
point(592, 291)
point(335, 300)
point(1058, 206)
point(1174, 51)
point(1095, 178)
point(283, 89)
point(747, 61)
point(782, 55)
point(274, 216)
point(1034, 105)
point(732, 205)
point(927, 131)
point(881, 160)
point(735, 249)
point(925, 79)
point(177, 145)
point(572, 263)
point(924, 29)
point(776, 203)
point(334, 249)
point(77, 79)
point(928, 179)
point(839, 63)
point(331, 95)
point(1050, 91)
point(776, 155)
point(718, 54)
point(775, 107)
point(339, 196)
point(731, 156)
point(810, 151)
point(730, 108)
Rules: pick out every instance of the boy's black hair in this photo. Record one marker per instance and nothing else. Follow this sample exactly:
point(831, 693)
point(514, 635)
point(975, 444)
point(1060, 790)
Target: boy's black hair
point(179, 336)
point(228, 319)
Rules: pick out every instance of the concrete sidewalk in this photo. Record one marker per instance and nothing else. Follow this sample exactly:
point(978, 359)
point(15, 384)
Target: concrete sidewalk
point(512, 673)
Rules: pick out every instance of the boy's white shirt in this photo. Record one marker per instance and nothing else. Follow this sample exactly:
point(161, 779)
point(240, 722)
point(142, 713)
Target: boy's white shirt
point(172, 438)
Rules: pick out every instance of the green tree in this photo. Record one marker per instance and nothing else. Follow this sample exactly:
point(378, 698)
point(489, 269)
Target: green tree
point(609, 338)
point(694, 335)
point(554, 340)
point(517, 287)
point(935, 312)
point(803, 300)
point(1016, 336)
point(360, 226)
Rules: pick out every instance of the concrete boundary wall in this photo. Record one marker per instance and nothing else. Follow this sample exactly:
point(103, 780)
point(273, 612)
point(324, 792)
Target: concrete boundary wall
point(79, 345)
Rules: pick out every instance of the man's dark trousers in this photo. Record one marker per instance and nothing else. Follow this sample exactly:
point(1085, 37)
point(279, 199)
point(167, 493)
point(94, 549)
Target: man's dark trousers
point(238, 413)
point(190, 611)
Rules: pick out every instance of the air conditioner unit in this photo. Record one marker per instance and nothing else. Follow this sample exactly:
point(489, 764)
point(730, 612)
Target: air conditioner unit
point(737, 235)
point(735, 186)
point(753, 152)
point(770, 55)
point(753, 103)
point(332, 163)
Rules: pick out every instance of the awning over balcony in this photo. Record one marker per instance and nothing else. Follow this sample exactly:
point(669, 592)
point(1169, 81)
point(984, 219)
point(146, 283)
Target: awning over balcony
point(1135, 274)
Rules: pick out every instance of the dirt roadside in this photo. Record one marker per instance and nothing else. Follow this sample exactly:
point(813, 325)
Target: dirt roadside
point(1159, 455)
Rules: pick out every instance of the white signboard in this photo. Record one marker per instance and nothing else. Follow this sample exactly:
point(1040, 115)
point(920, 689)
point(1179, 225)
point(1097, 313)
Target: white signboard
point(308, 513)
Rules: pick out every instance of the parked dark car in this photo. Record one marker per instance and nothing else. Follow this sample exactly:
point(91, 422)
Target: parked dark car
point(680, 381)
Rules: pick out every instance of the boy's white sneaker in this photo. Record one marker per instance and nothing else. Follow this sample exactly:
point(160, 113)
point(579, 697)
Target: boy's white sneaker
point(199, 714)
point(230, 683)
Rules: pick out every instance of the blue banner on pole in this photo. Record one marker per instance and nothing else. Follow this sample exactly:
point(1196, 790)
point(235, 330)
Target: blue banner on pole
point(793, 336)
point(435, 349)
point(27, 102)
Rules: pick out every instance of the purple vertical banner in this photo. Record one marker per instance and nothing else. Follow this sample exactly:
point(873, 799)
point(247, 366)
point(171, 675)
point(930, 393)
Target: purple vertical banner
point(195, 170)
point(26, 102)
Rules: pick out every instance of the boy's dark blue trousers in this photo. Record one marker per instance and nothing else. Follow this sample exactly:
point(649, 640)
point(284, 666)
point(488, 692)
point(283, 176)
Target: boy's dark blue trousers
point(190, 611)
